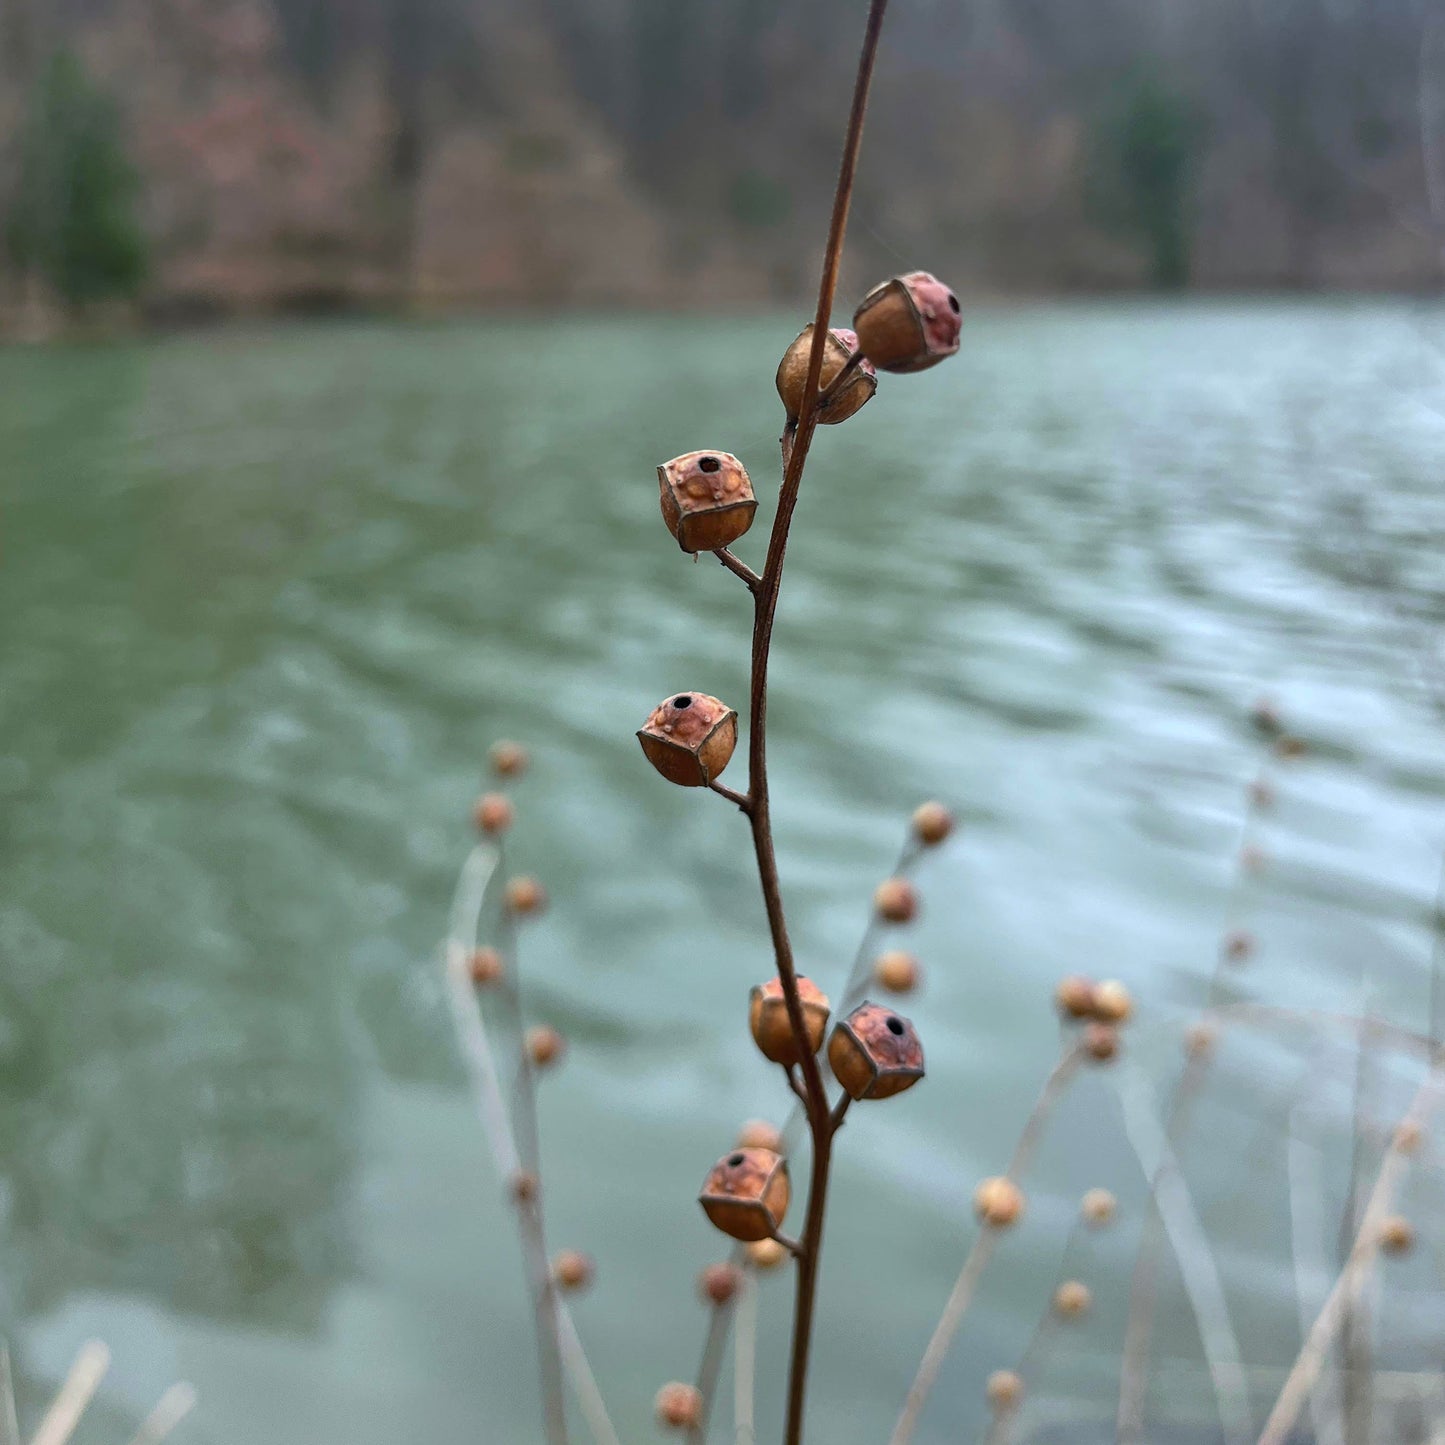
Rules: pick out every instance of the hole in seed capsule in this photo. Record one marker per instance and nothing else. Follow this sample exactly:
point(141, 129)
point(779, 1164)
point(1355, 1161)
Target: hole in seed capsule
point(681, 702)
point(709, 464)
point(895, 1024)
point(734, 1160)
point(953, 303)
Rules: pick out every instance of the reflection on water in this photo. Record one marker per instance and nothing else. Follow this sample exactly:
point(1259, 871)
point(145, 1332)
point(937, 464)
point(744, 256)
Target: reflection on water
point(265, 597)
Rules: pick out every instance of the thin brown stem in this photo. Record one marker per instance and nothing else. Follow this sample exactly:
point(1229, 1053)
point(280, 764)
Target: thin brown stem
point(742, 800)
point(738, 568)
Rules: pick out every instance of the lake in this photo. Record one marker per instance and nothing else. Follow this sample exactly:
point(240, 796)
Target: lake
point(266, 597)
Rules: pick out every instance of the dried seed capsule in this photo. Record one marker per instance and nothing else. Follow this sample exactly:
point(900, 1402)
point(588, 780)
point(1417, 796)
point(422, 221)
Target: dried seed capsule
point(792, 376)
point(1101, 1042)
point(1097, 1207)
point(746, 1193)
point(493, 813)
point(765, 1254)
point(545, 1046)
point(1397, 1234)
point(773, 1030)
point(679, 1406)
point(689, 738)
point(1072, 1299)
point(485, 966)
point(718, 1283)
point(896, 900)
point(998, 1201)
point(707, 500)
point(1238, 944)
point(1112, 1003)
point(932, 823)
point(896, 971)
point(875, 1053)
point(1074, 997)
point(525, 895)
point(759, 1134)
point(509, 760)
point(909, 323)
point(1199, 1040)
point(572, 1269)
point(1005, 1390)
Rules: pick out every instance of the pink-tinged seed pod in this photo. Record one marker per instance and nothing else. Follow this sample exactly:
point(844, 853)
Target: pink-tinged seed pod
point(718, 1283)
point(689, 738)
point(545, 1046)
point(1112, 1002)
point(792, 375)
point(485, 966)
point(572, 1269)
point(765, 1254)
point(1005, 1390)
point(509, 760)
point(493, 814)
point(759, 1134)
point(896, 971)
point(525, 896)
point(1238, 945)
point(1074, 997)
point(1199, 1040)
point(707, 500)
point(932, 823)
point(1072, 1299)
point(679, 1406)
point(909, 323)
point(1397, 1235)
point(1101, 1042)
point(896, 900)
point(773, 1030)
point(998, 1202)
point(746, 1193)
point(1097, 1208)
point(874, 1053)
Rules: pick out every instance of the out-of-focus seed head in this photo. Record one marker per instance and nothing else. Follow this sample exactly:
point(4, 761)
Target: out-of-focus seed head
point(1253, 858)
point(1408, 1137)
point(759, 1134)
point(1199, 1040)
point(545, 1046)
point(1261, 793)
point(1238, 945)
point(509, 760)
point(679, 1406)
point(1397, 1235)
point(792, 376)
point(572, 1269)
point(896, 900)
point(689, 738)
point(493, 814)
point(1005, 1390)
point(707, 500)
point(896, 971)
point(1101, 1042)
point(1098, 1207)
point(525, 896)
point(485, 966)
point(1112, 1003)
point(1074, 997)
point(1072, 1299)
point(998, 1202)
point(909, 323)
point(932, 823)
point(718, 1283)
point(1290, 748)
point(746, 1193)
point(1264, 714)
point(765, 1254)
point(773, 1030)
point(524, 1186)
point(875, 1053)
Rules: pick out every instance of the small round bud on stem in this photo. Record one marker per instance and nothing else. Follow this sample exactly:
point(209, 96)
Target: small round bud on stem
point(485, 966)
point(896, 971)
point(1097, 1208)
point(746, 1193)
point(1072, 1299)
point(1252, 858)
point(1101, 1042)
point(525, 896)
point(1238, 945)
point(765, 1254)
point(707, 500)
point(572, 1269)
point(759, 1134)
point(874, 1053)
point(792, 376)
point(1074, 997)
point(998, 1202)
point(679, 1406)
point(689, 738)
point(1408, 1137)
point(718, 1283)
point(493, 814)
point(1112, 1003)
point(1261, 793)
point(1290, 748)
point(909, 323)
point(932, 823)
point(524, 1186)
point(773, 1030)
point(545, 1046)
point(1005, 1390)
point(1397, 1235)
point(1199, 1040)
point(896, 900)
point(509, 760)
point(1264, 715)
